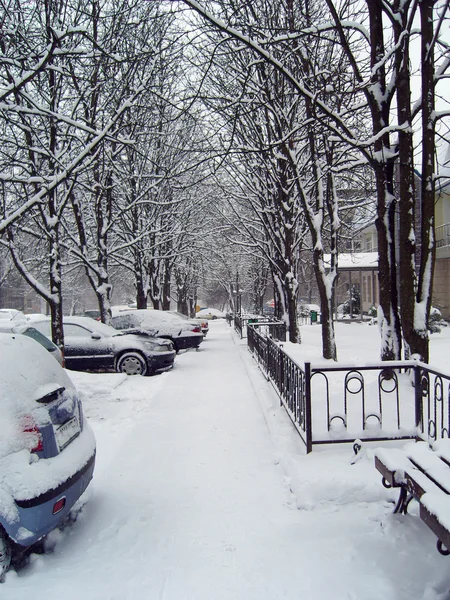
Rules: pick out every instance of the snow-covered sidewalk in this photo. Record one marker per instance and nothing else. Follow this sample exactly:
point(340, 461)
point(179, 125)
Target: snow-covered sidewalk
point(202, 492)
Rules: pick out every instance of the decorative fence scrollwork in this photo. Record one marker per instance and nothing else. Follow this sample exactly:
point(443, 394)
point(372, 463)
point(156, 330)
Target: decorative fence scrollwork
point(434, 391)
point(338, 404)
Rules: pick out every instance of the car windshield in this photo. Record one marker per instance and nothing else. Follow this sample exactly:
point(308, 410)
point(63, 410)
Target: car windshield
point(179, 315)
point(6, 314)
point(126, 321)
point(103, 329)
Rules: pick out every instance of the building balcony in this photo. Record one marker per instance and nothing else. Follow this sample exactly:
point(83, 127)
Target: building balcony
point(442, 233)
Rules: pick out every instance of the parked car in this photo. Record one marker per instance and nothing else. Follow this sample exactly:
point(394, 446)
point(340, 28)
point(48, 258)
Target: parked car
point(93, 313)
point(203, 323)
point(31, 332)
point(306, 309)
point(93, 346)
point(11, 314)
point(163, 324)
point(210, 314)
point(47, 449)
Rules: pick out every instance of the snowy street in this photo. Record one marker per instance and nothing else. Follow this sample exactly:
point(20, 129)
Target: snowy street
point(167, 166)
point(202, 492)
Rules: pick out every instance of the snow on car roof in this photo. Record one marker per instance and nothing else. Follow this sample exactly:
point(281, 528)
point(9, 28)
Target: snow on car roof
point(27, 372)
point(210, 311)
point(26, 367)
point(144, 312)
point(152, 317)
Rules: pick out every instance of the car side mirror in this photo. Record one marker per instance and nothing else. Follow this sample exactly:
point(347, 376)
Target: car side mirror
point(96, 336)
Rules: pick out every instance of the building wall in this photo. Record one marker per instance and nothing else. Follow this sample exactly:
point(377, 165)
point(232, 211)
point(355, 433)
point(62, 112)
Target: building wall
point(441, 286)
point(370, 291)
point(442, 207)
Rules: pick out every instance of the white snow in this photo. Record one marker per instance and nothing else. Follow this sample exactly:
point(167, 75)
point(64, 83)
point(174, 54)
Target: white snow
point(202, 491)
point(209, 313)
point(357, 260)
point(21, 476)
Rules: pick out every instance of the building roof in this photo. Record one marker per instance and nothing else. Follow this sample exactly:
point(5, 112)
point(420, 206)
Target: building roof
point(355, 260)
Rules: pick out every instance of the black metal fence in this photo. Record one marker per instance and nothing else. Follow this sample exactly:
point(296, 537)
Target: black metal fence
point(265, 325)
point(338, 403)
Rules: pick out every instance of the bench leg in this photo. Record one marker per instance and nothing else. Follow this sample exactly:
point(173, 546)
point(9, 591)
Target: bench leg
point(442, 549)
point(403, 501)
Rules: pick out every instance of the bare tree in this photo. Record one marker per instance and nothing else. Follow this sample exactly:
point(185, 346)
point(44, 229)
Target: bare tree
point(381, 73)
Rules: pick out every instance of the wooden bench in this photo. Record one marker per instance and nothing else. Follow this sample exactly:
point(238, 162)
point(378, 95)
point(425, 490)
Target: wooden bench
point(422, 473)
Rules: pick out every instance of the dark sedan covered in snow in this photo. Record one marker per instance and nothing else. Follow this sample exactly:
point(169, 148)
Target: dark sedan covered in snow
point(164, 324)
point(93, 346)
point(201, 322)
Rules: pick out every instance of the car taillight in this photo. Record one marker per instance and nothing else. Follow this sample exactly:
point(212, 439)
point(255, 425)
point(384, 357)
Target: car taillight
point(29, 426)
point(59, 505)
point(197, 329)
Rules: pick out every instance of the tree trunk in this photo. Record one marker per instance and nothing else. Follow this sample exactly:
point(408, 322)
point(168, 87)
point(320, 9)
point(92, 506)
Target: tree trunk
point(406, 189)
point(383, 165)
point(388, 316)
point(427, 245)
point(141, 292)
point(166, 287)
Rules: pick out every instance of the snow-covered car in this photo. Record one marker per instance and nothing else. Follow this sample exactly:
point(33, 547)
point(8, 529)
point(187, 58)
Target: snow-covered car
point(93, 346)
point(31, 332)
point(203, 323)
point(210, 314)
point(306, 309)
point(11, 314)
point(162, 324)
point(47, 449)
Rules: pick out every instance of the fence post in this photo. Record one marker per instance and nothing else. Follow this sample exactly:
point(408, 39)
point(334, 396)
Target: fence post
point(418, 396)
point(280, 376)
point(308, 417)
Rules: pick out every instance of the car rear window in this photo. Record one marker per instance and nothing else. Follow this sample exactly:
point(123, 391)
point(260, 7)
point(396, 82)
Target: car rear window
point(124, 322)
point(39, 337)
point(47, 397)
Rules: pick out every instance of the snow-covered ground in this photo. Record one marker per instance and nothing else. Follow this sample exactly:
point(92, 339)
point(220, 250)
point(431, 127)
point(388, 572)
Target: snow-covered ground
point(202, 491)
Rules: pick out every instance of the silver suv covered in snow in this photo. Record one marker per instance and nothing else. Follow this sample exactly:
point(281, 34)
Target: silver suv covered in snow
point(47, 449)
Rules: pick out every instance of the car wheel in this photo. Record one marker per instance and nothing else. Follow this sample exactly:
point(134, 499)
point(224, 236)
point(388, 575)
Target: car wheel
point(5, 554)
point(131, 363)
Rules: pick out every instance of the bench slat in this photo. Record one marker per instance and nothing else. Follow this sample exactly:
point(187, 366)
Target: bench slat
point(442, 449)
point(430, 463)
point(394, 463)
point(398, 470)
point(433, 522)
point(425, 474)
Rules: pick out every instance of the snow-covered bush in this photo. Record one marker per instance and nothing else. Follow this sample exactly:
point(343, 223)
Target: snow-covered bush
point(435, 321)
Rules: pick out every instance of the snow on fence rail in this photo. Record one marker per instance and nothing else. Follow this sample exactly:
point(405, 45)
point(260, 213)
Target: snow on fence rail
point(266, 325)
point(339, 404)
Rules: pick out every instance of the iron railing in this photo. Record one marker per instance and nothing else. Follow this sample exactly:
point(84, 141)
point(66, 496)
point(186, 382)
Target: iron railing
point(433, 389)
point(268, 326)
point(339, 404)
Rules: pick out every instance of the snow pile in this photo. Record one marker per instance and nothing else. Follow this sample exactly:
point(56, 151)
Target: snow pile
point(203, 491)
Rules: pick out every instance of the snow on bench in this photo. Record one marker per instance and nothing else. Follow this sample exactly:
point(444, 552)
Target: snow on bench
point(422, 473)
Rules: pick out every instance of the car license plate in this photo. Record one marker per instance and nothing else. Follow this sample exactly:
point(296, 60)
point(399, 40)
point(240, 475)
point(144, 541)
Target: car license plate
point(67, 432)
